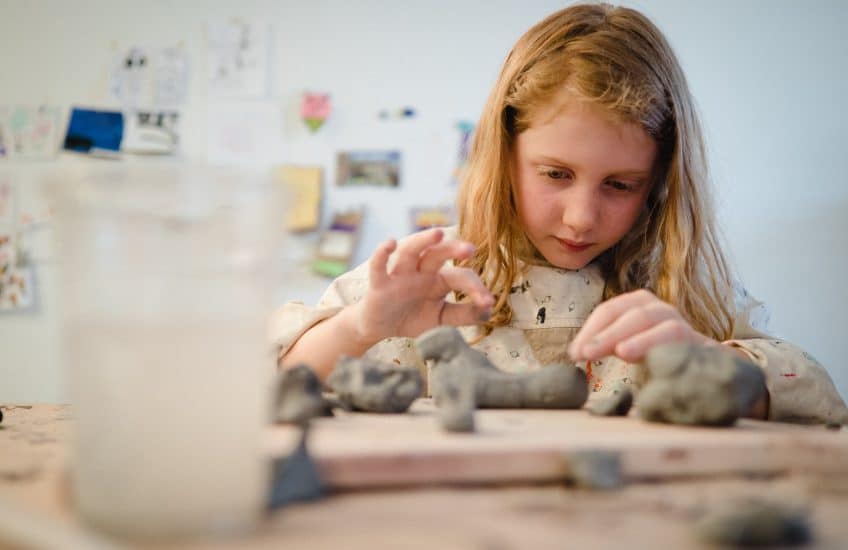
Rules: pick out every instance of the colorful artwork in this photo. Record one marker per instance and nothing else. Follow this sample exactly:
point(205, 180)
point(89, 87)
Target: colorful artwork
point(29, 132)
point(381, 168)
point(17, 289)
point(315, 109)
point(338, 244)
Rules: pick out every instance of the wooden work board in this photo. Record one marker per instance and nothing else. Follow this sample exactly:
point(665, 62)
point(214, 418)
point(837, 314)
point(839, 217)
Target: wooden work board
point(363, 450)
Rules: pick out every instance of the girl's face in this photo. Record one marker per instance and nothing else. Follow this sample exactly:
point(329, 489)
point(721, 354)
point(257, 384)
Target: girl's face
point(583, 180)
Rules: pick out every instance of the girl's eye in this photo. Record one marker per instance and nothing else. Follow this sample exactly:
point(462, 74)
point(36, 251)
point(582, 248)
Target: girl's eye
point(553, 173)
point(620, 185)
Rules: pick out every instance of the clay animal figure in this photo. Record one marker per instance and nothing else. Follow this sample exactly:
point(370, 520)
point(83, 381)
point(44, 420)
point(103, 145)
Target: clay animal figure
point(703, 385)
point(551, 387)
point(371, 386)
point(299, 397)
point(616, 403)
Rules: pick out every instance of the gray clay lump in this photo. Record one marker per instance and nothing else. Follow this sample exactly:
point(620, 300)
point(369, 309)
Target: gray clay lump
point(463, 379)
point(551, 387)
point(371, 386)
point(616, 403)
point(698, 385)
point(299, 397)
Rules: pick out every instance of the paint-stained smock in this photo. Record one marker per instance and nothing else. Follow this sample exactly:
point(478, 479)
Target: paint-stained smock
point(549, 305)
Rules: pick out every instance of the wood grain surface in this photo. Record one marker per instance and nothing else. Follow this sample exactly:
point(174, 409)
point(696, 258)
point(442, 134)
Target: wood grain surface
point(361, 450)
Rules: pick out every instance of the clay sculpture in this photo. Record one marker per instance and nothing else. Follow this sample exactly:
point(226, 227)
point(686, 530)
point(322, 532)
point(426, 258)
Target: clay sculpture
point(299, 396)
point(616, 403)
point(703, 385)
point(454, 398)
point(371, 386)
point(458, 367)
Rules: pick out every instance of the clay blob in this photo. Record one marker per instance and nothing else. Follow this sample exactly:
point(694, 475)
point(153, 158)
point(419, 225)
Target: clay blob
point(458, 369)
point(698, 385)
point(371, 386)
point(454, 399)
point(295, 477)
point(755, 522)
point(299, 397)
point(595, 469)
point(616, 403)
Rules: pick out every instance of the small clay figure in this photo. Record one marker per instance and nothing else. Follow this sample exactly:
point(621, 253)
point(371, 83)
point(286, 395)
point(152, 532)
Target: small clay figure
point(595, 469)
point(454, 398)
point(616, 403)
point(371, 386)
point(295, 477)
point(755, 522)
point(551, 387)
point(704, 385)
point(299, 396)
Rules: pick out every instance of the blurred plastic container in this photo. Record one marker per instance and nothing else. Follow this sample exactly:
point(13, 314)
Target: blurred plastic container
point(167, 277)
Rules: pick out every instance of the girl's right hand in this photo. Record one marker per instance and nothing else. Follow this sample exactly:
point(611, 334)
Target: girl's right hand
point(408, 284)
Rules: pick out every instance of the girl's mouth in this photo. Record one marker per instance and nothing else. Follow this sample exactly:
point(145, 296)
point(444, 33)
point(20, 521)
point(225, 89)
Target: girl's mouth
point(573, 246)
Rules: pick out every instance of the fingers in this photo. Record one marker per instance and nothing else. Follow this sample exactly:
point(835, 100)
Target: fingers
point(460, 315)
point(434, 258)
point(410, 249)
point(379, 261)
point(628, 324)
point(671, 330)
point(604, 315)
point(467, 282)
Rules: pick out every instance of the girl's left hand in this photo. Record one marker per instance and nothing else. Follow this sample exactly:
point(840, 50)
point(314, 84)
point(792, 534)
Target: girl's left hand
point(629, 325)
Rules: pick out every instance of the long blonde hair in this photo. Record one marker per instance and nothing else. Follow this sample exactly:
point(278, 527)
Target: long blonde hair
point(616, 58)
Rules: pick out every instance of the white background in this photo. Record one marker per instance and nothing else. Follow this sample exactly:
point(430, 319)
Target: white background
point(769, 78)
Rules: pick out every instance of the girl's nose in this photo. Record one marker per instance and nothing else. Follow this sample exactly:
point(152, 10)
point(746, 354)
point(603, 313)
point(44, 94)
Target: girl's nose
point(580, 211)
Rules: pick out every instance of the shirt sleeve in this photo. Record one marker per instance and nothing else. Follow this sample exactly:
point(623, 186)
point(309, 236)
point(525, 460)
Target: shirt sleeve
point(292, 320)
point(800, 389)
point(289, 322)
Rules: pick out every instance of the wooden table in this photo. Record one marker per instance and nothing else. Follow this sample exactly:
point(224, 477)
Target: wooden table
point(422, 489)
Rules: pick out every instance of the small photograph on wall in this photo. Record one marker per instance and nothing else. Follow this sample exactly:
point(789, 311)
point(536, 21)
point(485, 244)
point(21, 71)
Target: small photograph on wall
point(380, 168)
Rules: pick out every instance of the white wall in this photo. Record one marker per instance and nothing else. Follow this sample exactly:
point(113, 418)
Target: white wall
point(768, 76)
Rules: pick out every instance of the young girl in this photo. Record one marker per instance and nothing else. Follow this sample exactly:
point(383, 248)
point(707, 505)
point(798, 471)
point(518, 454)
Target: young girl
point(586, 232)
